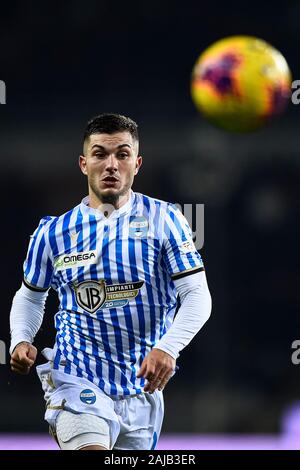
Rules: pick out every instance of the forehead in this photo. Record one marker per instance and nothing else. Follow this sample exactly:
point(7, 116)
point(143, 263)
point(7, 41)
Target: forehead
point(111, 140)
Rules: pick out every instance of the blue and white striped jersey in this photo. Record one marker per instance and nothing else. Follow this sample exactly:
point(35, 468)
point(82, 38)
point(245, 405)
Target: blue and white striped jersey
point(114, 278)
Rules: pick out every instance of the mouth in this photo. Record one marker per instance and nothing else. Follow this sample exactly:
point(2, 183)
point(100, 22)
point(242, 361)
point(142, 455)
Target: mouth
point(110, 181)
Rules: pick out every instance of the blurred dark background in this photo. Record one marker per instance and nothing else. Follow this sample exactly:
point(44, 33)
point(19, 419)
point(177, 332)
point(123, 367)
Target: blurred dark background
point(65, 62)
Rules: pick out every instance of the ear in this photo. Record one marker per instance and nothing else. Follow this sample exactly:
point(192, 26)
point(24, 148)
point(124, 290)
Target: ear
point(138, 164)
point(82, 164)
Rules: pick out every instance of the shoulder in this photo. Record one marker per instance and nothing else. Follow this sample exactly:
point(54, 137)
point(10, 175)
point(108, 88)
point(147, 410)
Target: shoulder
point(43, 224)
point(164, 206)
point(48, 222)
point(168, 212)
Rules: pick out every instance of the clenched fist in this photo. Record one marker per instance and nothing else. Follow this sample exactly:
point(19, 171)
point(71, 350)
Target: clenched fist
point(23, 358)
point(157, 368)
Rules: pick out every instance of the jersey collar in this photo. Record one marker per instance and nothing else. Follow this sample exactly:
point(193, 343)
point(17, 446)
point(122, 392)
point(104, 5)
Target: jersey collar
point(86, 209)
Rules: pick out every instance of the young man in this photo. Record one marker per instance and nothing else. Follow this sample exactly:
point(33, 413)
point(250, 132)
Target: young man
point(117, 261)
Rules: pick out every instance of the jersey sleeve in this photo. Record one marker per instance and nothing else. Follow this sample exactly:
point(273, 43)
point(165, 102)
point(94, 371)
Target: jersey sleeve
point(179, 252)
point(38, 265)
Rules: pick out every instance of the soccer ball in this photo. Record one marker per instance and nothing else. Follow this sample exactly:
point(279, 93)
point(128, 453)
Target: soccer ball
point(239, 83)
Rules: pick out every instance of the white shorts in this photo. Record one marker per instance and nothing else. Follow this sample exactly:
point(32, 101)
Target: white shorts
point(134, 422)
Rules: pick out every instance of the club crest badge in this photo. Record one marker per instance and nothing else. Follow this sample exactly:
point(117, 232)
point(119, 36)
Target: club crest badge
point(138, 227)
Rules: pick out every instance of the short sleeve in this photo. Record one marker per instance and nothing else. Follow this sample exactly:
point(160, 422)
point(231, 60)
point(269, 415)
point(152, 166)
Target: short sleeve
point(38, 266)
point(179, 252)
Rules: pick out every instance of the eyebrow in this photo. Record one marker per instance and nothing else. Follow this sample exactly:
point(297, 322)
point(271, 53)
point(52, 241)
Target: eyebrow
point(103, 148)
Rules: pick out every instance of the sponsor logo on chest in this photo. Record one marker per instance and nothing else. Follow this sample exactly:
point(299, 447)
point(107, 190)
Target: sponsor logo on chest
point(93, 295)
point(75, 260)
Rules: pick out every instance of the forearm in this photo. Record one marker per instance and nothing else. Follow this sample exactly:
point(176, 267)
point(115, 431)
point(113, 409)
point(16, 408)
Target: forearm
point(194, 311)
point(26, 315)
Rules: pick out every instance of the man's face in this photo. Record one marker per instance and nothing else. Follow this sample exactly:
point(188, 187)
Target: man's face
point(110, 162)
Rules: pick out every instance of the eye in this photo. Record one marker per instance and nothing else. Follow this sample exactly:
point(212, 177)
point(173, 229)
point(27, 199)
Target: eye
point(100, 155)
point(122, 155)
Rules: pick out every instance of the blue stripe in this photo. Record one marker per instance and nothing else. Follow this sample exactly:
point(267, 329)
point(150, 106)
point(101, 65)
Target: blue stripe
point(154, 441)
point(113, 312)
point(38, 262)
point(49, 272)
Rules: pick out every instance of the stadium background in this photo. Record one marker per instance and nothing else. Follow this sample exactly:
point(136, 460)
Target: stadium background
point(66, 62)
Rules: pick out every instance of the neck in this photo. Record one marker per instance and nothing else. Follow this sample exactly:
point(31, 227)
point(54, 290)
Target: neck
point(107, 204)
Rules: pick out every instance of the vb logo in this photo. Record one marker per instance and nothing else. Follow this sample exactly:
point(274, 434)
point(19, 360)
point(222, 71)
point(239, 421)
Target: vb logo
point(2, 92)
point(90, 295)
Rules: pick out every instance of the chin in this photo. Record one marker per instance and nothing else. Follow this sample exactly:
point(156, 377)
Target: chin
point(110, 192)
point(109, 195)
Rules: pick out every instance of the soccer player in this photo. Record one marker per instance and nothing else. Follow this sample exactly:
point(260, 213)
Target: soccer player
point(117, 260)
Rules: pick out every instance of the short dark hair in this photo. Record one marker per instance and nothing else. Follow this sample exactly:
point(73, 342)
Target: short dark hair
point(110, 124)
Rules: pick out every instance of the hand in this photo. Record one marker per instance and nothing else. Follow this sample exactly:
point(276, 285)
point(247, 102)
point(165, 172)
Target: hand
point(23, 358)
point(157, 367)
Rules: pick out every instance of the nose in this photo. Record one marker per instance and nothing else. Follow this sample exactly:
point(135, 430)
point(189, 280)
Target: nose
point(111, 163)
